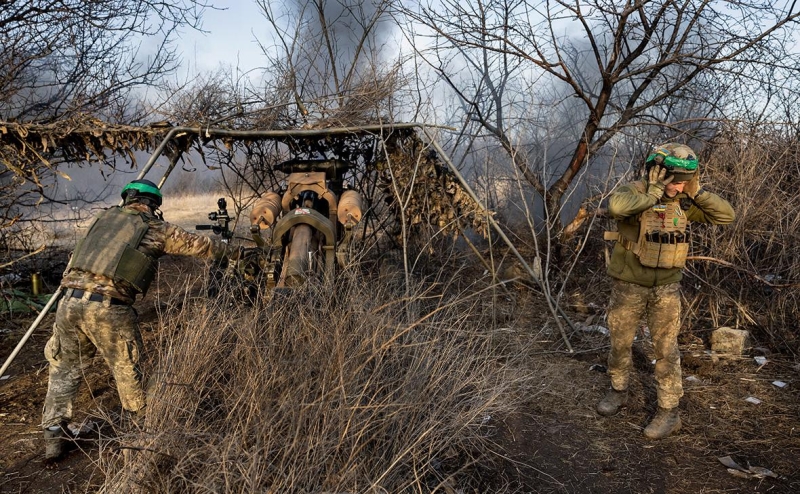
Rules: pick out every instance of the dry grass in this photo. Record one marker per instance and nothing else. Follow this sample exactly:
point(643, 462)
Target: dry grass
point(346, 390)
point(362, 388)
point(757, 284)
point(189, 209)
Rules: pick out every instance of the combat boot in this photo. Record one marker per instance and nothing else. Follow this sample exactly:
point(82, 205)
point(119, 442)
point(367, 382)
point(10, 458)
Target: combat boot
point(612, 402)
point(55, 442)
point(666, 422)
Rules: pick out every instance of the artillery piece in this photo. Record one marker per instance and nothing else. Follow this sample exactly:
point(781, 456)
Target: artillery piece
point(303, 230)
point(307, 226)
point(310, 225)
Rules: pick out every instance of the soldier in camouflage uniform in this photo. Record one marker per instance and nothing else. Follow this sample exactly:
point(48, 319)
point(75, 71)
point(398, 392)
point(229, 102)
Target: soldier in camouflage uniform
point(646, 266)
point(116, 260)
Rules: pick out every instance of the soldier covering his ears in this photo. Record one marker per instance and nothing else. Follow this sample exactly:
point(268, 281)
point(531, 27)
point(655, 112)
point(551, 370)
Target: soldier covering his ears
point(117, 260)
point(646, 265)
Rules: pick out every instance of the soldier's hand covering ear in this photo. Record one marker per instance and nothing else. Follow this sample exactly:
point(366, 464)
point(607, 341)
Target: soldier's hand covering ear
point(657, 180)
point(692, 187)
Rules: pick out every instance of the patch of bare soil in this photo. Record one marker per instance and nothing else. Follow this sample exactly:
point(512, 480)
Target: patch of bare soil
point(557, 443)
point(22, 397)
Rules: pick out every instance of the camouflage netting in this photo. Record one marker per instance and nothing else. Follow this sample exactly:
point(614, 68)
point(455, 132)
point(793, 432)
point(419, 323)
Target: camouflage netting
point(24, 147)
point(436, 196)
point(405, 168)
point(30, 155)
point(406, 171)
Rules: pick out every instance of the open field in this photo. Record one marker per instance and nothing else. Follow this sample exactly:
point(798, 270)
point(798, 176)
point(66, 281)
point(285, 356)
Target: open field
point(63, 225)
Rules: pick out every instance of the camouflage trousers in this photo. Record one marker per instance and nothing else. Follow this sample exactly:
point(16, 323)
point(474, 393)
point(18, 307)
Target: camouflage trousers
point(661, 305)
point(81, 328)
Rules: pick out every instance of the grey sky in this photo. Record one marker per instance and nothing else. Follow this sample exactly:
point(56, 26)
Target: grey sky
point(229, 39)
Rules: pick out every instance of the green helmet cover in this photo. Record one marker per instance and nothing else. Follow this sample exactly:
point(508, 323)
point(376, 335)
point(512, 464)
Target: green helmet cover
point(670, 162)
point(674, 156)
point(143, 188)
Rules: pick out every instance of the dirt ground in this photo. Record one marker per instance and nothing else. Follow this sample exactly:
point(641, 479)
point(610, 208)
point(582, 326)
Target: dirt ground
point(557, 443)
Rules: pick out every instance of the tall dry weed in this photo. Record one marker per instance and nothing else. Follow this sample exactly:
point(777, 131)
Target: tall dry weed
point(754, 280)
point(352, 388)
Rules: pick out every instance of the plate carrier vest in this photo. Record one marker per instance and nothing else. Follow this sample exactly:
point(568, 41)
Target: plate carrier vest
point(663, 241)
point(109, 249)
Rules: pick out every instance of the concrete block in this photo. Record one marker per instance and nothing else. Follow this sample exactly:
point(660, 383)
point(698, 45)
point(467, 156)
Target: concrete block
point(729, 341)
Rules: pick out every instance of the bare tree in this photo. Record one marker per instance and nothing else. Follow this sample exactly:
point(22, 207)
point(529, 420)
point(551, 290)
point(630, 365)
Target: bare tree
point(621, 67)
point(62, 57)
point(67, 63)
point(330, 58)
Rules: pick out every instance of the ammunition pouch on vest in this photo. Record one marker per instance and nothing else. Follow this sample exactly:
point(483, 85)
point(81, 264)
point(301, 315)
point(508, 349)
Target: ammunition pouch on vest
point(662, 239)
point(109, 249)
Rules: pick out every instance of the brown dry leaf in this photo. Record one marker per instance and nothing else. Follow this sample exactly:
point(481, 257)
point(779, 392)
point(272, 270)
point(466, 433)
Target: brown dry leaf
point(14, 169)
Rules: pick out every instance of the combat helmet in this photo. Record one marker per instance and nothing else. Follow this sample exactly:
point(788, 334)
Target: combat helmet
point(142, 188)
point(679, 160)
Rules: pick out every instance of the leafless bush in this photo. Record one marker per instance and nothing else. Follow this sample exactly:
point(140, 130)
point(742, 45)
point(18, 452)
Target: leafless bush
point(346, 390)
point(753, 277)
point(745, 274)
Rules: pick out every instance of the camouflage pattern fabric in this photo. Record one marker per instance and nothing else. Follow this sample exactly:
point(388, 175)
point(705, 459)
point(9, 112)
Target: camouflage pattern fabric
point(661, 306)
point(641, 292)
point(161, 238)
point(625, 205)
point(81, 328)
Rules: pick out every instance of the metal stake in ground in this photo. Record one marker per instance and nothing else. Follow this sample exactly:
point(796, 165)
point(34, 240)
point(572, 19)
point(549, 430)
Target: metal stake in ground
point(30, 331)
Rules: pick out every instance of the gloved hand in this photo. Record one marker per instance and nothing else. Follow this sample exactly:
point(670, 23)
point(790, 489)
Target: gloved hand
point(692, 187)
point(656, 181)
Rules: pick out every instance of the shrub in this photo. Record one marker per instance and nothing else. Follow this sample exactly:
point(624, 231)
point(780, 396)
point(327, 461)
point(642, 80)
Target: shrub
point(352, 389)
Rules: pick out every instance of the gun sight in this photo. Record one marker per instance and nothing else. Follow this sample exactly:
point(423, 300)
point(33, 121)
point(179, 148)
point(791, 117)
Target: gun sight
point(222, 218)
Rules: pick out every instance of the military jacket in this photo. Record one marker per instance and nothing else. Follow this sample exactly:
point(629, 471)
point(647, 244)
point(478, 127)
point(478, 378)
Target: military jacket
point(160, 239)
point(626, 205)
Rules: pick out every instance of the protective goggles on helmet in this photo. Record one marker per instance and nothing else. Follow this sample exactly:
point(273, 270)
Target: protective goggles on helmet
point(671, 162)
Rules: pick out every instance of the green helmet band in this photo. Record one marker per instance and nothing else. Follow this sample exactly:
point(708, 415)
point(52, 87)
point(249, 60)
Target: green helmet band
point(142, 189)
point(671, 162)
